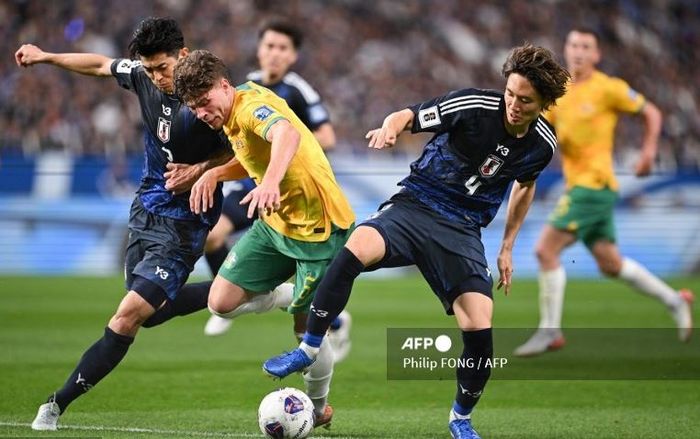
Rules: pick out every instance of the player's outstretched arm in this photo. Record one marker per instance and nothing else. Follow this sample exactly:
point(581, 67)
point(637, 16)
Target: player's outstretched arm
point(86, 63)
point(521, 196)
point(650, 141)
point(394, 124)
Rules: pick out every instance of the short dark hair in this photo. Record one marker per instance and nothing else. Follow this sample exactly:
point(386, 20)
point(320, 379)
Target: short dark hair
point(587, 30)
point(284, 27)
point(538, 65)
point(156, 35)
point(196, 74)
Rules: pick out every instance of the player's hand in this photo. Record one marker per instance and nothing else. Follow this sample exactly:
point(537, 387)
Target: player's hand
point(180, 177)
point(505, 270)
point(202, 195)
point(381, 138)
point(29, 54)
point(644, 165)
point(265, 198)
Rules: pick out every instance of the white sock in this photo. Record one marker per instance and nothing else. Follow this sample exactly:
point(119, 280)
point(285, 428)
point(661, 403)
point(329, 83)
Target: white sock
point(280, 297)
point(311, 351)
point(640, 278)
point(552, 285)
point(454, 415)
point(318, 377)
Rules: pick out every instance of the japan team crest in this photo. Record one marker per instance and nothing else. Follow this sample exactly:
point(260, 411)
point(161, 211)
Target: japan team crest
point(163, 130)
point(490, 166)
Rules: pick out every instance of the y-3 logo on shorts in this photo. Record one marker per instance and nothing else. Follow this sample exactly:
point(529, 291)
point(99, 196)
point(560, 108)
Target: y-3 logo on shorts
point(161, 273)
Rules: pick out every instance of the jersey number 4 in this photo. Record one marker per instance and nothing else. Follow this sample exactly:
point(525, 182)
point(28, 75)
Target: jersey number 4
point(168, 152)
point(472, 184)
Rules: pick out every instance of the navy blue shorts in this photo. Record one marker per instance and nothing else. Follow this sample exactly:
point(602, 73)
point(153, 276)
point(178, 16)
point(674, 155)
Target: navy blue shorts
point(161, 250)
point(449, 254)
point(236, 212)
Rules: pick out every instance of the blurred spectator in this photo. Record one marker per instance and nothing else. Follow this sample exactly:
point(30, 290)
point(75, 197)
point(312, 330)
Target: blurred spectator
point(356, 53)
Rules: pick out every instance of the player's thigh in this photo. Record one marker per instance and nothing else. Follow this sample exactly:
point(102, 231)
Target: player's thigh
point(225, 296)
point(312, 261)
point(162, 251)
point(473, 311)
point(450, 274)
point(391, 236)
point(255, 263)
point(587, 213)
point(367, 244)
point(552, 242)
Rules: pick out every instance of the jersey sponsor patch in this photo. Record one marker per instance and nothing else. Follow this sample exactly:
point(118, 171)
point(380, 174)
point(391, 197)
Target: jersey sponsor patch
point(429, 117)
point(126, 65)
point(262, 112)
point(163, 130)
point(490, 166)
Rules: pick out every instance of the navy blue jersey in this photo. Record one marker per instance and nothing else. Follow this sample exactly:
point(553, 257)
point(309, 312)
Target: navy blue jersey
point(467, 166)
point(172, 134)
point(300, 96)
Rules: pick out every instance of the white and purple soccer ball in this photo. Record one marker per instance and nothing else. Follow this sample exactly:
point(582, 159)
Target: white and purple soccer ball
point(286, 414)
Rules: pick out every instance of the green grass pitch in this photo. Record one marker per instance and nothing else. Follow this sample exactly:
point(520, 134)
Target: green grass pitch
point(175, 382)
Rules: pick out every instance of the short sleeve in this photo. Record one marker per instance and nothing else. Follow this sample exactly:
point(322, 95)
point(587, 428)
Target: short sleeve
point(259, 116)
point(124, 71)
point(445, 112)
point(623, 97)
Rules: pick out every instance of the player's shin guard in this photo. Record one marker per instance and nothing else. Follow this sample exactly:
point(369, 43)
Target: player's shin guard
point(191, 298)
point(474, 369)
point(332, 293)
point(280, 297)
point(318, 377)
point(95, 364)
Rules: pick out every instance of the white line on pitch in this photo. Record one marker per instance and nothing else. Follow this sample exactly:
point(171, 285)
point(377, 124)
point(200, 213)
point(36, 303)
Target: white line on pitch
point(150, 431)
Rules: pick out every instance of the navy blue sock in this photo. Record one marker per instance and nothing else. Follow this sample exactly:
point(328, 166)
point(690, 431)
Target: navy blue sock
point(191, 298)
point(472, 378)
point(215, 259)
point(95, 364)
point(333, 292)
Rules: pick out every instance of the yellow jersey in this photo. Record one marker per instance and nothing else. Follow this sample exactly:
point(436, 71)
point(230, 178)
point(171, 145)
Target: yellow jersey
point(584, 120)
point(311, 201)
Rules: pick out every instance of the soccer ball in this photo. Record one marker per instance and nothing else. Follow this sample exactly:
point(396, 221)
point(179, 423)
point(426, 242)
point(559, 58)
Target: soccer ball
point(286, 414)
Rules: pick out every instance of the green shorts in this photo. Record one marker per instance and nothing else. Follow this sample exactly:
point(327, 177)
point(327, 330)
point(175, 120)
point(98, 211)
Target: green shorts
point(588, 213)
point(263, 259)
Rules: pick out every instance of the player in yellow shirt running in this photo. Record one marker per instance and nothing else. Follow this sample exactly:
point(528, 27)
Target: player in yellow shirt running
point(304, 217)
point(585, 120)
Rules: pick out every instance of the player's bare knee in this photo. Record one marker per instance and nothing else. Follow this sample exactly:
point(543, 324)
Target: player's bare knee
point(126, 323)
point(221, 306)
point(545, 256)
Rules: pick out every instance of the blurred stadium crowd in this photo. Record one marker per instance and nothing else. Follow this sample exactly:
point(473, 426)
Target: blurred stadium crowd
point(365, 58)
